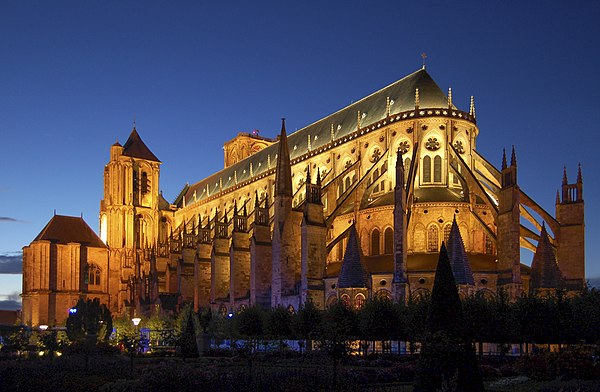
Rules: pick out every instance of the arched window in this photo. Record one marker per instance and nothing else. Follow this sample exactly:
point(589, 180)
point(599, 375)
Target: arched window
point(359, 301)
point(437, 169)
point(135, 187)
point(384, 294)
point(375, 250)
point(406, 168)
point(388, 241)
point(94, 274)
point(345, 299)
point(145, 183)
point(331, 300)
point(375, 175)
point(347, 183)
point(427, 169)
point(432, 238)
point(447, 232)
point(222, 310)
point(291, 309)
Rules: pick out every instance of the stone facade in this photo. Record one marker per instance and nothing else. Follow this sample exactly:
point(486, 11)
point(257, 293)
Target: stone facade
point(272, 227)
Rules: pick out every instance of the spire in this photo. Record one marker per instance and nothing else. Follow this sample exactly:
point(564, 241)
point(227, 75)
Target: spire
point(545, 272)
point(504, 159)
point(136, 148)
point(472, 107)
point(352, 273)
point(513, 157)
point(557, 197)
point(308, 174)
point(256, 205)
point(319, 176)
point(399, 169)
point(283, 171)
point(579, 176)
point(565, 181)
point(235, 211)
point(244, 210)
point(458, 257)
point(416, 98)
point(450, 98)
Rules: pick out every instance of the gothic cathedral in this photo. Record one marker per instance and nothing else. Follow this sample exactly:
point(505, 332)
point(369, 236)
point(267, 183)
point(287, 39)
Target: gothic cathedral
point(353, 206)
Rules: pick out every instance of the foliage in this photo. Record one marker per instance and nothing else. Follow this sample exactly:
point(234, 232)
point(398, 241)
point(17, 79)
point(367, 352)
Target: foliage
point(379, 319)
point(306, 323)
point(278, 324)
point(447, 360)
point(186, 333)
point(90, 320)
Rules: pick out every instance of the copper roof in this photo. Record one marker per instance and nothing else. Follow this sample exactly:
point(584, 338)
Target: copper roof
point(65, 229)
point(373, 107)
point(134, 147)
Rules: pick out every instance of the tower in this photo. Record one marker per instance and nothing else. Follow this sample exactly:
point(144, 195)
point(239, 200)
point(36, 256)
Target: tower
point(129, 212)
point(509, 262)
point(571, 235)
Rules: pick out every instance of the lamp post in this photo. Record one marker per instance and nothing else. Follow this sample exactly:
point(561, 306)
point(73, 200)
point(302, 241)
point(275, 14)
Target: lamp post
point(43, 327)
point(136, 323)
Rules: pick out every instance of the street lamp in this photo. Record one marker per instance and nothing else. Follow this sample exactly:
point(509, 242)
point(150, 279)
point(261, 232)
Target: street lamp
point(43, 327)
point(136, 321)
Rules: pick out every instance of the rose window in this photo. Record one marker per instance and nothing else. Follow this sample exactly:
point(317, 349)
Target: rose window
point(458, 146)
point(403, 146)
point(432, 144)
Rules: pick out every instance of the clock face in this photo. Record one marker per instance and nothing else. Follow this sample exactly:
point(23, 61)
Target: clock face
point(432, 144)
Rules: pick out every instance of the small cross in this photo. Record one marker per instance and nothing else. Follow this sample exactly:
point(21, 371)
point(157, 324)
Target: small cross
point(423, 56)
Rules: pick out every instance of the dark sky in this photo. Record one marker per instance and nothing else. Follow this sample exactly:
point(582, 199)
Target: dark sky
point(74, 74)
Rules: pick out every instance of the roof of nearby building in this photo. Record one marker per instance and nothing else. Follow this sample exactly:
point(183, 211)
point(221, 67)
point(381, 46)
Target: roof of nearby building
point(65, 229)
point(136, 148)
point(9, 317)
point(352, 274)
point(373, 107)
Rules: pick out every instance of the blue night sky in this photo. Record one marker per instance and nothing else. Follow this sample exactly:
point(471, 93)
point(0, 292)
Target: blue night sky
point(74, 74)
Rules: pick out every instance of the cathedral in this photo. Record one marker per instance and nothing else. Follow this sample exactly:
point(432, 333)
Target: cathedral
point(351, 207)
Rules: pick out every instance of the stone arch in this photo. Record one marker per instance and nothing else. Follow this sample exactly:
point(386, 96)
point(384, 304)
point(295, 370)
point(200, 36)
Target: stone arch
point(331, 300)
point(359, 301)
point(420, 293)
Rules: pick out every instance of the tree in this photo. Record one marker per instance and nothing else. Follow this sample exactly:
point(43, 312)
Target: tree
point(278, 324)
point(447, 360)
point(306, 323)
point(186, 333)
point(88, 323)
point(379, 320)
point(249, 325)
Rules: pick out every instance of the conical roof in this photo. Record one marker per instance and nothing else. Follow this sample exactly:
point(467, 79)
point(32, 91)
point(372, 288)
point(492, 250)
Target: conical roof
point(352, 274)
point(458, 257)
point(283, 171)
point(445, 309)
point(545, 272)
point(134, 147)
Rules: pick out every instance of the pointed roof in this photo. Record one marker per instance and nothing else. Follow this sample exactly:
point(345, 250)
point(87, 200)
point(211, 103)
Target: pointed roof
point(64, 229)
point(283, 171)
point(401, 96)
point(352, 274)
point(459, 261)
point(134, 147)
point(545, 272)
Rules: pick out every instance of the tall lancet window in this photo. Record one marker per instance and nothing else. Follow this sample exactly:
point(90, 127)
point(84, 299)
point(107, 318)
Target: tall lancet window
point(437, 169)
point(375, 250)
point(388, 241)
point(447, 232)
point(427, 169)
point(432, 238)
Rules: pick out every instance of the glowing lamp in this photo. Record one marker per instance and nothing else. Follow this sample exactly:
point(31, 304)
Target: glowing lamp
point(230, 315)
point(73, 310)
point(43, 327)
point(136, 321)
